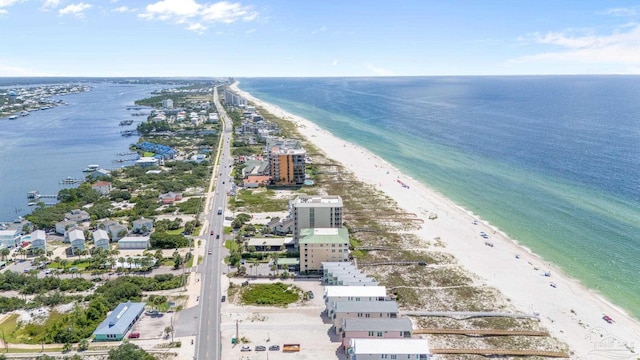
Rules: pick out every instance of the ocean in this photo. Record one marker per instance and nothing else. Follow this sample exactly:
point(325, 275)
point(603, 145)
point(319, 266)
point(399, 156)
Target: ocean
point(39, 150)
point(553, 161)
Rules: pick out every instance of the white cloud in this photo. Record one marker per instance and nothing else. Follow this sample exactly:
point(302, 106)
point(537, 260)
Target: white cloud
point(76, 10)
point(194, 13)
point(123, 9)
point(250, 31)
point(3, 12)
point(197, 28)
point(50, 4)
point(378, 70)
point(6, 3)
point(226, 12)
point(322, 29)
point(626, 12)
point(618, 47)
point(335, 62)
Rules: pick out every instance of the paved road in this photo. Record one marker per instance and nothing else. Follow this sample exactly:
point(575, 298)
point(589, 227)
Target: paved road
point(208, 343)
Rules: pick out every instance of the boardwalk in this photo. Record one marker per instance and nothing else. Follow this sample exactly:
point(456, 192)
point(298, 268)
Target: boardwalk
point(481, 332)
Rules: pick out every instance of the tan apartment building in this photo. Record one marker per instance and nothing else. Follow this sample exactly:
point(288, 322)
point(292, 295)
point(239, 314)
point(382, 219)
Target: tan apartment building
point(320, 245)
point(316, 211)
point(287, 165)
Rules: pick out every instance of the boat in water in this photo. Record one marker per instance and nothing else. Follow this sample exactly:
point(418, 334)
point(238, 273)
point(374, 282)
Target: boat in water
point(91, 168)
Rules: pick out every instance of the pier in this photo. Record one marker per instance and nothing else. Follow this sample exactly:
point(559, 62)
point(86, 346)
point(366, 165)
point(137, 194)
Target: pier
point(35, 194)
point(70, 181)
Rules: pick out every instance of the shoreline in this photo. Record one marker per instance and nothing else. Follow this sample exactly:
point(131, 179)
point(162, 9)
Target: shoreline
point(570, 311)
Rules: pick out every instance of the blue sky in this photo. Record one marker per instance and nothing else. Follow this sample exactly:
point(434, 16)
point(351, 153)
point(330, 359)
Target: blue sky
point(318, 37)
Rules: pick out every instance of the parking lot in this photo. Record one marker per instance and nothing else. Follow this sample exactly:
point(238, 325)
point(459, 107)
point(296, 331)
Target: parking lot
point(299, 323)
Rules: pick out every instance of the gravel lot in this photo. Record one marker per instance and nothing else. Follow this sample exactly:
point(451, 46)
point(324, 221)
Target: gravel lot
point(300, 323)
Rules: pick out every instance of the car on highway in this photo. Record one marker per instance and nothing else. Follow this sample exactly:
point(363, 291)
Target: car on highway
point(274, 348)
point(210, 252)
point(245, 348)
point(211, 233)
point(261, 348)
point(217, 236)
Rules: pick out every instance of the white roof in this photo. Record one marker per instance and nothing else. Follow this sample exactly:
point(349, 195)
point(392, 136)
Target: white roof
point(266, 242)
point(134, 239)
point(389, 346)
point(341, 291)
point(7, 233)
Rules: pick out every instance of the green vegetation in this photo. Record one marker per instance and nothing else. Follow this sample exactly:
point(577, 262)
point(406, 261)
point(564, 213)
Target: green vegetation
point(30, 284)
point(129, 351)
point(191, 206)
point(163, 240)
point(258, 200)
point(279, 294)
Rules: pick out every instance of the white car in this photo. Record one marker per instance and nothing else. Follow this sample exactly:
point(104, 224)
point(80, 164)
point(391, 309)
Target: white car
point(245, 348)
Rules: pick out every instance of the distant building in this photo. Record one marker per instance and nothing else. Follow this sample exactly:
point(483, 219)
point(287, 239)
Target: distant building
point(321, 245)
point(77, 240)
point(134, 242)
point(101, 239)
point(170, 197)
point(374, 349)
point(38, 240)
point(119, 322)
point(103, 187)
point(77, 216)
point(266, 244)
point(63, 226)
point(117, 232)
point(167, 104)
point(367, 328)
point(147, 162)
point(142, 225)
point(10, 238)
point(353, 293)
point(315, 212)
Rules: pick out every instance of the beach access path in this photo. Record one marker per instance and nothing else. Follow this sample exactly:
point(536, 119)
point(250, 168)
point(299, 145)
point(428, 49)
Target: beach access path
point(571, 312)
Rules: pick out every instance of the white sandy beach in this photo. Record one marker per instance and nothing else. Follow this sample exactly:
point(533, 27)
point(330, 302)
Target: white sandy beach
point(570, 311)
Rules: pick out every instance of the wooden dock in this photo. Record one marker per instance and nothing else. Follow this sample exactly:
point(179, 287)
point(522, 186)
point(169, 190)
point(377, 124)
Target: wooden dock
point(502, 352)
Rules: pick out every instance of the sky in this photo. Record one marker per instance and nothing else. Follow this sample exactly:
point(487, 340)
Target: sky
point(317, 38)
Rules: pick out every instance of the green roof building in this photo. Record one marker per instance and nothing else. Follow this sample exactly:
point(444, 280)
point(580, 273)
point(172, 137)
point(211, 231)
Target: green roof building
point(320, 245)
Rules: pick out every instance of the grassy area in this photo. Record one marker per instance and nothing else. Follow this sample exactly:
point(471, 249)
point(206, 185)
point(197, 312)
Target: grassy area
point(148, 154)
point(277, 294)
point(258, 200)
point(176, 231)
point(17, 333)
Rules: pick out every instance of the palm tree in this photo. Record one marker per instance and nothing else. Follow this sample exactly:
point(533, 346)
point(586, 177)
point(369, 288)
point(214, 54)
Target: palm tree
point(5, 252)
point(57, 260)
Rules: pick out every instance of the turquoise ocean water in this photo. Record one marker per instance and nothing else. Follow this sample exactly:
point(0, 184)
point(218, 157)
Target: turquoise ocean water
point(552, 161)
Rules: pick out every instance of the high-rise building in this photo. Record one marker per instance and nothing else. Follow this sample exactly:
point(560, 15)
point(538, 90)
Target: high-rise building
point(315, 212)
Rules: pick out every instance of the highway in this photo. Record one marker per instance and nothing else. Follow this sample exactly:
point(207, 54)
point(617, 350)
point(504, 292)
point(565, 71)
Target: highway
point(208, 340)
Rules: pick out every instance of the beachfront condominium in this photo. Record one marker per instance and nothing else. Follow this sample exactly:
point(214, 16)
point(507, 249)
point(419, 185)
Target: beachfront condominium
point(320, 245)
point(315, 211)
point(287, 165)
point(167, 104)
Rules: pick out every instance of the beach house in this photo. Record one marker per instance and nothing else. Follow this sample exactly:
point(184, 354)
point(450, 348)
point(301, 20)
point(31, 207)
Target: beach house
point(77, 216)
point(63, 226)
point(382, 328)
point(320, 245)
point(103, 187)
point(341, 310)
point(77, 240)
point(38, 241)
point(142, 225)
point(9, 238)
point(375, 349)
point(117, 232)
point(353, 293)
point(101, 239)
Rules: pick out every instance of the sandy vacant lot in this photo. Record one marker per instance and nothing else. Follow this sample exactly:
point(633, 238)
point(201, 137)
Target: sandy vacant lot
point(300, 323)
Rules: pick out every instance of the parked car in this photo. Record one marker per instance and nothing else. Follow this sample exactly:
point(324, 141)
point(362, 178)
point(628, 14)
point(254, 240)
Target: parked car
point(245, 348)
point(224, 298)
point(261, 348)
point(608, 319)
point(274, 348)
point(311, 295)
point(134, 335)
